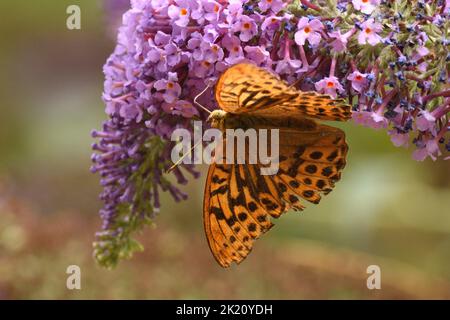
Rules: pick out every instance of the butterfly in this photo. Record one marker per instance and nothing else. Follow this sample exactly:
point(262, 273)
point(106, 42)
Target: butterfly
point(239, 203)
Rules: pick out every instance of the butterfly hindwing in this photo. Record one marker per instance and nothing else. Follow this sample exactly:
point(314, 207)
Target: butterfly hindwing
point(239, 202)
point(230, 226)
point(246, 88)
point(311, 166)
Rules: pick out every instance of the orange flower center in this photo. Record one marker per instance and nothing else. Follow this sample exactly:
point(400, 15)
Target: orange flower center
point(206, 63)
point(216, 8)
point(183, 12)
point(215, 48)
point(236, 49)
point(365, 1)
point(274, 20)
point(368, 30)
point(330, 84)
point(359, 78)
point(169, 85)
point(246, 25)
point(307, 29)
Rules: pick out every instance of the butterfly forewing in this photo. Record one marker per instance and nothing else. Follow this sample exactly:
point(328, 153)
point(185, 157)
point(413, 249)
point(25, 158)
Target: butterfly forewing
point(246, 88)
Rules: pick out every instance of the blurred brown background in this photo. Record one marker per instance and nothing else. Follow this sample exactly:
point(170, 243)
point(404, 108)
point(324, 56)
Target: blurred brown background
point(387, 210)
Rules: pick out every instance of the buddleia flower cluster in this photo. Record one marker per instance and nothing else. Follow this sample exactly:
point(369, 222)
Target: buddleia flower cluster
point(390, 59)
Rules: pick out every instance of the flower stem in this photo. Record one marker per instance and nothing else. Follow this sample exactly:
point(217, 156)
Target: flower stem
point(441, 111)
point(303, 57)
point(429, 97)
point(444, 129)
point(333, 66)
point(386, 99)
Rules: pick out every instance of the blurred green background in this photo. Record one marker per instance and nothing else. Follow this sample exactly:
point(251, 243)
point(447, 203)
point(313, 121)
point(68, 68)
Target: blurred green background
point(388, 210)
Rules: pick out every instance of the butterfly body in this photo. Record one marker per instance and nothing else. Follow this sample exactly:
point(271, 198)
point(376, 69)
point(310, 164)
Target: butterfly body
point(239, 202)
point(225, 120)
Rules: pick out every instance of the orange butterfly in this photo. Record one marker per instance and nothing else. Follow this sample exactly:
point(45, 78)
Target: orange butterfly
point(239, 202)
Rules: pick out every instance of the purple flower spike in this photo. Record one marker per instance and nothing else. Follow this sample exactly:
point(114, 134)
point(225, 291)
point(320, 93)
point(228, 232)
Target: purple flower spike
point(329, 85)
point(392, 66)
point(430, 149)
point(181, 11)
point(308, 30)
point(246, 27)
point(274, 5)
point(399, 139)
point(185, 109)
point(234, 48)
point(340, 41)
point(425, 121)
point(366, 6)
point(212, 10)
point(170, 87)
point(370, 32)
point(359, 81)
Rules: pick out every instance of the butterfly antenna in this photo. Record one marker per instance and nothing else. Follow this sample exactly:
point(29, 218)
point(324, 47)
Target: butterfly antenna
point(182, 157)
point(197, 96)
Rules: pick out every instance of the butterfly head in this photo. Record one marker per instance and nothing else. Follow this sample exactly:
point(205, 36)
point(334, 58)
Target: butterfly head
point(217, 119)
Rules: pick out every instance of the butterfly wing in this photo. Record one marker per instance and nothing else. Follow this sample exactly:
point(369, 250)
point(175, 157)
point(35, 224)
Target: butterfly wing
point(246, 88)
point(239, 202)
point(229, 225)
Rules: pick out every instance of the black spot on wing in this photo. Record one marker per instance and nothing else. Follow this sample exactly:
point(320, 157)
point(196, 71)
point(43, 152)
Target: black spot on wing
point(327, 171)
point(252, 227)
point(311, 169)
point(218, 213)
point(242, 216)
